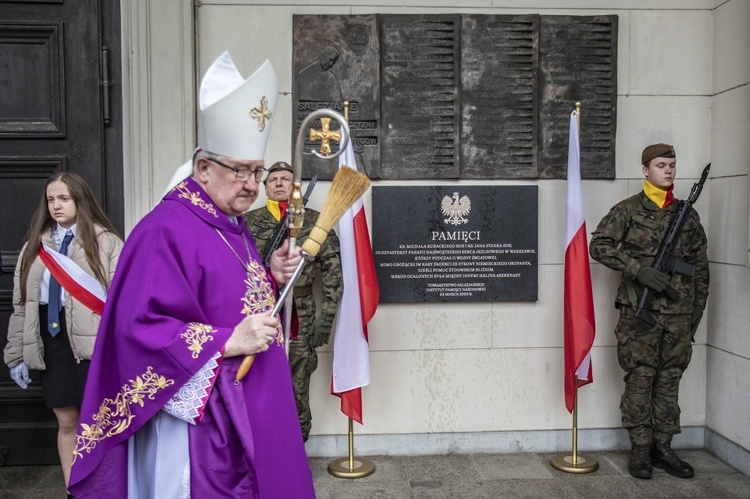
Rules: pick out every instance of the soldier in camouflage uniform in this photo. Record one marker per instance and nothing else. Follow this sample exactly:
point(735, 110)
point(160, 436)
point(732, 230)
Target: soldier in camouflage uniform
point(313, 331)
point(653, 357)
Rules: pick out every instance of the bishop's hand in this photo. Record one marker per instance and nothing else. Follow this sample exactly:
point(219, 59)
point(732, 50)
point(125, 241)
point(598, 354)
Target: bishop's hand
point(254, 334)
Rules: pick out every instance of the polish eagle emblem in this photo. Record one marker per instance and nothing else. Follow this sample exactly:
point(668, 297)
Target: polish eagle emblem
point(456, 209)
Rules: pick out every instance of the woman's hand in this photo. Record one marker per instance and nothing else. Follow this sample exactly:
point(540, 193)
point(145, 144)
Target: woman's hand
point(20, 374)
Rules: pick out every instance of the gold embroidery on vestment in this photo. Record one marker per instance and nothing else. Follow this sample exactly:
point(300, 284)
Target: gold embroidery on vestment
point(196, 335)
point(115, 416)
point(196, 199)
point(259, 296)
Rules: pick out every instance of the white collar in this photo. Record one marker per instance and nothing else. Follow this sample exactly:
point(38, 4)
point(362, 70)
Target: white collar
point(60, 231)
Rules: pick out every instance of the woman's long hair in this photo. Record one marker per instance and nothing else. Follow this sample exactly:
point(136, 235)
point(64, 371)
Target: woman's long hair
point(88, 215)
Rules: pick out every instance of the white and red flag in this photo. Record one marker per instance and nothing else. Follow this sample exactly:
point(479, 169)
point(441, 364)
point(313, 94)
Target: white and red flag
point(82, 286)
point(579, 299)
point(351, 356)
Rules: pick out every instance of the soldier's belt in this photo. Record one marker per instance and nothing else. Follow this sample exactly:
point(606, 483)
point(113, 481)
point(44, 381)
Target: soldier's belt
point(300, 291)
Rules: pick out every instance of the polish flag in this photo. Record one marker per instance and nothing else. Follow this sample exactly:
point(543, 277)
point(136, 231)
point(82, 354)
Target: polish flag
point(579, 300)
point(351, 362)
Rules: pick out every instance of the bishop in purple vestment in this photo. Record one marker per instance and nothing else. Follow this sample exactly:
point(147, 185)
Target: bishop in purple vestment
point(179, 292)
point(162, 414)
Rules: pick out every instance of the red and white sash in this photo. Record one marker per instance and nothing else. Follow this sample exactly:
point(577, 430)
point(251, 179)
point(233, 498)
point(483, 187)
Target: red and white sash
point(82, 286)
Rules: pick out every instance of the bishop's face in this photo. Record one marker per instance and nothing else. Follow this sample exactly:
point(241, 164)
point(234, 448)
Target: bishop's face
point(233, 197)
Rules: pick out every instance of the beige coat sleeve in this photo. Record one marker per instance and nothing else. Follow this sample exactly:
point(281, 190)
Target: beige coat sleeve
point(13, 353)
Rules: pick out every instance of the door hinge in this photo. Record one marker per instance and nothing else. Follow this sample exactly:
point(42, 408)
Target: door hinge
point(105, 85)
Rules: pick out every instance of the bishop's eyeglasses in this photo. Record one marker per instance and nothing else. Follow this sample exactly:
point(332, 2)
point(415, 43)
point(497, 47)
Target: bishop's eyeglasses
point(242, 174)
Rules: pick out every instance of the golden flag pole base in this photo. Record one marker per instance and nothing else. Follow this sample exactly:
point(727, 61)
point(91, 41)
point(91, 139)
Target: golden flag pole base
point(351, 467)
point(582, 465)
point(574, 463)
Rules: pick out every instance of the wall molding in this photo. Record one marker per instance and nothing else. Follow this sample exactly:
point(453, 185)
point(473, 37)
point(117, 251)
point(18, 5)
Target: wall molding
point(158, 66)
point(726, 450)
point(497, 442)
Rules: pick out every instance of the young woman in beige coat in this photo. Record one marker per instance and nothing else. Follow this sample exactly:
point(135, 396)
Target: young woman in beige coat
point(60, 347)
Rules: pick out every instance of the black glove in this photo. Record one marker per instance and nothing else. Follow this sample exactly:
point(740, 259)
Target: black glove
point(320, 330)
point(695, 320)
point(649, 276)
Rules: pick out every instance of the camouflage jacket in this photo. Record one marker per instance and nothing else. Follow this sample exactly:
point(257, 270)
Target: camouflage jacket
point(629, 237)
point(261, 224)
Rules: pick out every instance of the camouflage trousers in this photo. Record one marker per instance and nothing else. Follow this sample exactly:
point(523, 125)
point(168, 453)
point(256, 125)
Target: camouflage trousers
point(303, 361)
point(653, 358)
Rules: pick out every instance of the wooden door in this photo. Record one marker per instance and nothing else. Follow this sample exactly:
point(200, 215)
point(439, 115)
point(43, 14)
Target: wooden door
point(60, 109)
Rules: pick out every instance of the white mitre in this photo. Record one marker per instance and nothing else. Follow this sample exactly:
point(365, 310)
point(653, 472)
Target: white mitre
point(235, 114)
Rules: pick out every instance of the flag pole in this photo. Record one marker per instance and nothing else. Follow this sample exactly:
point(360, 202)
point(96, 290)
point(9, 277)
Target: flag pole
point(350, 467)
point(575, 463)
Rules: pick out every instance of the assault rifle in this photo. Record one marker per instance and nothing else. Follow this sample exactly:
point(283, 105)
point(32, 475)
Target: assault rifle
point(665, 261)
point(279, 233)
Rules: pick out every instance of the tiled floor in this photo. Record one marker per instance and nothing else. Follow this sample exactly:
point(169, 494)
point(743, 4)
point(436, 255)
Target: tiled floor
point(481, 476)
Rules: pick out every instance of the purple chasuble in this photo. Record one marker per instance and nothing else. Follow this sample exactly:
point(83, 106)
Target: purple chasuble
point(177, 295)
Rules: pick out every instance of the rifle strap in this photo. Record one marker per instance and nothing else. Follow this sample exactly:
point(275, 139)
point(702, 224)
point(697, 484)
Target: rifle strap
point(630, 288)
point(300, 291)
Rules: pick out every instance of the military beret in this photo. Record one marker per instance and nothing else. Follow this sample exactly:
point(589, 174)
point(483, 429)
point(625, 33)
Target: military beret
point(657, 151)
point(280, 166)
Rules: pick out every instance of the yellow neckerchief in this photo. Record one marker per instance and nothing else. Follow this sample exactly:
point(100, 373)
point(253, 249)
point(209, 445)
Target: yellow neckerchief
point(660, 197)
point(277, 208)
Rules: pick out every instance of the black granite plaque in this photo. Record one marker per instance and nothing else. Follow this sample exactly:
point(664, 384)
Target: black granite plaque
point(455, 243)
point(336, 59)
point(420, 96)
point(499, 62)
point(578, 62)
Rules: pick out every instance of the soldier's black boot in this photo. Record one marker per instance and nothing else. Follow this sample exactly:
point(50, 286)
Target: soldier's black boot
point(662, 456)
point(640, 461)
